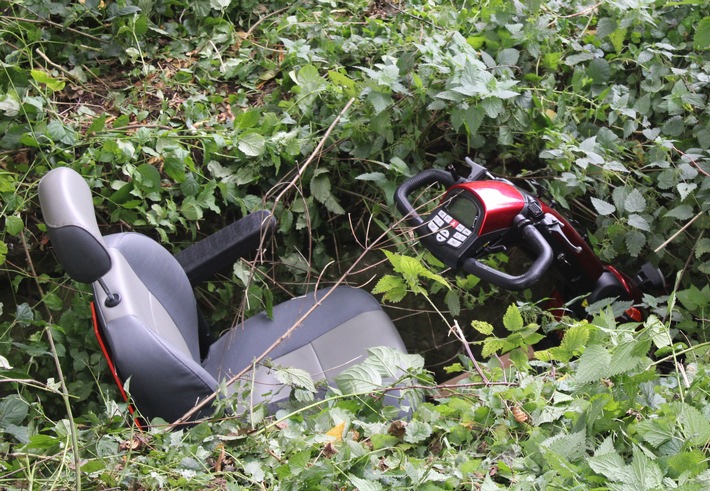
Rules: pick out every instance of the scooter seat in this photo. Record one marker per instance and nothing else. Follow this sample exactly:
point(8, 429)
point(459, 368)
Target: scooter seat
point(148, 317)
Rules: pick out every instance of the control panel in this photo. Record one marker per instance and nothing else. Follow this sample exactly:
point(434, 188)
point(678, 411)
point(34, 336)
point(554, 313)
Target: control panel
point(451, 227)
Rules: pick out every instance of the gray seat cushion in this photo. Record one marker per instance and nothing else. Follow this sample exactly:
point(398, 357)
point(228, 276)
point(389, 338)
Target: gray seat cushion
point(334, 336)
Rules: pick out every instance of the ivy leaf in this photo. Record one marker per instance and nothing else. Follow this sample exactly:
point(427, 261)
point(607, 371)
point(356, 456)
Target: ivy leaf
point(602, 207)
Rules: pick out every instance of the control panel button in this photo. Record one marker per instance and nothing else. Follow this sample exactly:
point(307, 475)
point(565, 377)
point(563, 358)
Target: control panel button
point(454, 242)
point(432, 226)
point(466, 232)
point(459, 236)
point(438, 221)
point(442, 236)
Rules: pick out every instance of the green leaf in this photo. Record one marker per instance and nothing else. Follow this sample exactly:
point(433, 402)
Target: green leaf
point(701, 39)
point(635, 202)
point(685, 188)
point(320, 188)
point(52, 83)
point(624, 358)
point(393, 287)
point(417, 431)
point(252, 144)
point(453, 302)
point(611, 465)
point(617, 38)
point(148, 177)
point(295, 377)
point(13, 410)
point(364, 484)
point(695, 425)
point(14, 225)
point(593, 364)
point(655, 432)
point(702, 247)
point(602, 207)
point(512, 319)
point(361, 378)
point(483, 327)
point(639, 222)
point(599, 70)
point(681, 212)
point(635, 241)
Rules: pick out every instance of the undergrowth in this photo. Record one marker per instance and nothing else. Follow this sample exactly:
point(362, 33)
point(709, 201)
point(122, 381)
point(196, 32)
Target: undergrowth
point(184, 116)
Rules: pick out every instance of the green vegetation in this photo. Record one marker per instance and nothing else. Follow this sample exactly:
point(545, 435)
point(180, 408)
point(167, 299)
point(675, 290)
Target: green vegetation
point(184, 115)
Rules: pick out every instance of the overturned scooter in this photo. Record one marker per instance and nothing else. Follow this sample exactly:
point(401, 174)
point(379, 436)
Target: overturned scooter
point(481, 214)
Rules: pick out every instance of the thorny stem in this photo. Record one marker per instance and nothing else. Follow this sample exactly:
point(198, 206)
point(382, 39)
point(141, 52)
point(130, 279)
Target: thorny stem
point(60, 373)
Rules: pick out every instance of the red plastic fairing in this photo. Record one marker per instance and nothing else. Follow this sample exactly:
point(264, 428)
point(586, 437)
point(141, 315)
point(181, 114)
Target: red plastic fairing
point(111, 367)
point(501, 202)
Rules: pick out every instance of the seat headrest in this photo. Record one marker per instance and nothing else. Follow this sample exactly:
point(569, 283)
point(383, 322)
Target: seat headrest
point(68, 212)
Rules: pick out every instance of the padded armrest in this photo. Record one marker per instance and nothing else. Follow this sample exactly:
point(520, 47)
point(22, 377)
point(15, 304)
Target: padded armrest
point(221, 250)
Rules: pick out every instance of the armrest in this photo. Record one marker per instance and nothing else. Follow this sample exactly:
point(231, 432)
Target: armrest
point(221, 250)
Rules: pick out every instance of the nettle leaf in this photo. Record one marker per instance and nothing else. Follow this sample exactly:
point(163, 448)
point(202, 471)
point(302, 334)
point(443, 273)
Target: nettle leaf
point(453, 302)
point(320, 188)
point(512, 319)
point(635, 202)
point(635, 241)
point(360, 378)
point(702, 247)
point(696, 426)
point(685, 189)
point(639, 222)
point(602, 207)
point(390, 361)
point(593, 364)
point(625, 358)
point(682, 212)
point(393, 288)
point(295, 377)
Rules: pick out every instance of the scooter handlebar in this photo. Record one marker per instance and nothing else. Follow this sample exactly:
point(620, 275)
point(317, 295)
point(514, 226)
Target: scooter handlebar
point(424, 178)
point(542, 262)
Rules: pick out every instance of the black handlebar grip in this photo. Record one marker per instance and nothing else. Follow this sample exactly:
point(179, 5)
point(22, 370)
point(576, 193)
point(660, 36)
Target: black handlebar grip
point(424, 178)
point(542, 262)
